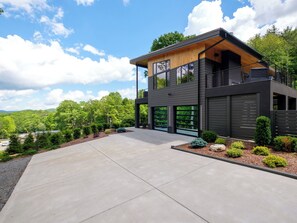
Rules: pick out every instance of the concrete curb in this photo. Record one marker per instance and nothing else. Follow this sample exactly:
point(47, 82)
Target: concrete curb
point(293, 176)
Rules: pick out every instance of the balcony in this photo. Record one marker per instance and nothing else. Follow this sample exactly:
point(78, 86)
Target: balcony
point(142, 97)
point(237, 75)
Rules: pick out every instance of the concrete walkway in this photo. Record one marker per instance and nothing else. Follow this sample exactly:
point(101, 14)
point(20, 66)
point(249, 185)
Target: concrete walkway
point(135, 177)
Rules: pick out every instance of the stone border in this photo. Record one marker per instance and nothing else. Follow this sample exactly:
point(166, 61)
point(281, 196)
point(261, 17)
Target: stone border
point(293, 176)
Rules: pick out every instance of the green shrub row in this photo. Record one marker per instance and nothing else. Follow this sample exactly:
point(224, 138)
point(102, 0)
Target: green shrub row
point(275, 161)
point(234, 152)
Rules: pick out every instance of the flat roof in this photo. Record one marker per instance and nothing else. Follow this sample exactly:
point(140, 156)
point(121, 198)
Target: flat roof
point(220, 32)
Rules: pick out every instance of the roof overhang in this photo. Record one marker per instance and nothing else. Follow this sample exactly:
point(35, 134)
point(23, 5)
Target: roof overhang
point(142, 61)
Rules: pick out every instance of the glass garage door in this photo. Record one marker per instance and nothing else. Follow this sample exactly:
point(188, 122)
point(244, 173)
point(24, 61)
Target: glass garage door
point(186, 120)
point(160, 118)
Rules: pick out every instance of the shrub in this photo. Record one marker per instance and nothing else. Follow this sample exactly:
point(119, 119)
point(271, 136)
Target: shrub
point(263, 131)
point(42, 141)
point(30, 152)
point(14, 145)
point(94, 128)
point(29, 142)
point(116, 125)
point(86, 130)
point(105, 126)
point(4, 156)
point(275, 161)
point(68, 135)
point(261, 150)
point(107, 131)
point(209, 136)
point(120, 130)
point(99, 127)
point(285, 143)
point(234, 152)
point(220, 141)
point(198, 143)
point(56, 138)
point(294, 145)
point(238, 145)
point(76, 133)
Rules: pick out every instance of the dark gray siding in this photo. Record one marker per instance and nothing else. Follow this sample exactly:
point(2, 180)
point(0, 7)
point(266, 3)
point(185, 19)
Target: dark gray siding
point(244, 112)
point(217, 115)
point(181, 94)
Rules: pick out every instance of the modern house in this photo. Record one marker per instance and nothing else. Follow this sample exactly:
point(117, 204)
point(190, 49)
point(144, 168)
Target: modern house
point(213, 81)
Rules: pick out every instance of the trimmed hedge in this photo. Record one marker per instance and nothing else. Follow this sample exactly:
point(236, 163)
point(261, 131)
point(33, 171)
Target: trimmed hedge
point(29, 142)
point(209, 136)
point(261, 150)
point(263, 131)
point(198, 143)
point(86, 130)
point(42, 141)
point(275, 161)
point(68, 135)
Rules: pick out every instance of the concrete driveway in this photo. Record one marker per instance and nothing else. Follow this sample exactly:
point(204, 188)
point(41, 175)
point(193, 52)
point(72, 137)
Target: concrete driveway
point(136, 177)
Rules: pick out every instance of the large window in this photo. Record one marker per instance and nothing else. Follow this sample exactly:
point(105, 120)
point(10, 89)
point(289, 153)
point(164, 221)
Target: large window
point(185, 73)
point(161, 72)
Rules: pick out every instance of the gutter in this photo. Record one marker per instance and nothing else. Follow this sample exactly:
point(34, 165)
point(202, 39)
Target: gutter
point(199, 78)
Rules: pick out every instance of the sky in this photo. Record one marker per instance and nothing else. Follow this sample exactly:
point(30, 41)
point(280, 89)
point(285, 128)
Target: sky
point(53, 50)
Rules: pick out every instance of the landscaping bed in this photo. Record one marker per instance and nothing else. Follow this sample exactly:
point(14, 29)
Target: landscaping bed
point(247, 158)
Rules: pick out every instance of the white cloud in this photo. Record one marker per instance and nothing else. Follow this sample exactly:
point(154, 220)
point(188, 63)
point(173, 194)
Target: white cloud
point(55, 26)
point(102, 93)
point(73, 50)
point(126, 2)
point(128, 93)
point(93, 50)
point(85, 2)
point(26, 5)
point(26, 65)
point(56, 96)
point(37, 36)
point(246, 21)
point(6, 95)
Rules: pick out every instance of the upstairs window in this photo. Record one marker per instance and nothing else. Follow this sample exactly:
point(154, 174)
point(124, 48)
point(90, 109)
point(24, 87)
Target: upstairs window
point(185, 73)
point(161, 72)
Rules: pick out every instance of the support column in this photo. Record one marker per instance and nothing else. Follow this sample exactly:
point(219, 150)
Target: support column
point(170, 113)
point(136, 81)
point(137, 110)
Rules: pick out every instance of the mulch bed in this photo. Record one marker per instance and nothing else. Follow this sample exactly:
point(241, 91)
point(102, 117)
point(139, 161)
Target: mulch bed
point(248, 157)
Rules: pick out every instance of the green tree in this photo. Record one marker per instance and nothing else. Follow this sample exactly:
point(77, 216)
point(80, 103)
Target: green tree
point(1, 11)
point(278, 48)
point(14, 145)
point(29, 142)
point(70, 115)
point(168, 39)
point(7, 123)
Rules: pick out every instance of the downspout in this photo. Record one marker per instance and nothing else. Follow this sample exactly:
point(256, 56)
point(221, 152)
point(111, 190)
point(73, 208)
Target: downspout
point(199, 79)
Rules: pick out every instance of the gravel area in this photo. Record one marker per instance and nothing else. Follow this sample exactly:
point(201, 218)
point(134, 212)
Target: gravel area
point(10, 173)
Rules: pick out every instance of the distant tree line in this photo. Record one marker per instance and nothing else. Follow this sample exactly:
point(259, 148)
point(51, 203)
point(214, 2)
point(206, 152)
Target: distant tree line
point(110, 111)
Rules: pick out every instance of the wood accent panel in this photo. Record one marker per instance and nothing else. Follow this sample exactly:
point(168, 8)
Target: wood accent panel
point(178, 58)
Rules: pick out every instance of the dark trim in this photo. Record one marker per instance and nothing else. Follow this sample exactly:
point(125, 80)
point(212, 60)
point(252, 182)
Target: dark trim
point(293, 176)
point(136, 81)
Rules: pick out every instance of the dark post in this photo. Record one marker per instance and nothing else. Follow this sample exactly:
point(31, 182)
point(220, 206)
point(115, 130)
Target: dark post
point(136, 81)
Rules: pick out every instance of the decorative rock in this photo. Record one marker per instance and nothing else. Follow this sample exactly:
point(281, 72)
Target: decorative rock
point(217, 147)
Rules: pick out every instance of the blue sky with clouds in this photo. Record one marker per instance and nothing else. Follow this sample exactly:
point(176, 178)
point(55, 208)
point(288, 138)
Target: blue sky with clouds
point(54, 50)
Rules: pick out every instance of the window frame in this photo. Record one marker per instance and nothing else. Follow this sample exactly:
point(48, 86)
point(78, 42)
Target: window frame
point(157, 72)
point(181, 73)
